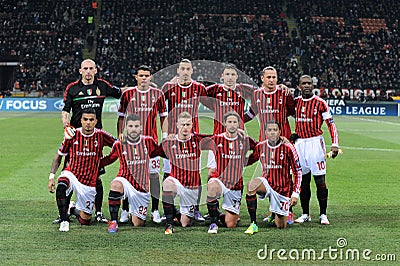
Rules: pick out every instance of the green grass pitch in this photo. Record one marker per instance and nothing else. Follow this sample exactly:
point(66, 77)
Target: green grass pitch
point(363, 207)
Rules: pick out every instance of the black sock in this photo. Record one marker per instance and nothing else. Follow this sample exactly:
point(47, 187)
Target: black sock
point(251, 201)
point(114, 202)
point(305, 194)
point(212, 206)
point(322, 195)
point(168, 199)
point(62, 201)
point(125, 204)
point(155, 191)
point(98, 200)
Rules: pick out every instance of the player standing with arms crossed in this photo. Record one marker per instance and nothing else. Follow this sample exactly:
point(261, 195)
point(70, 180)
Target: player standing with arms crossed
point(311, 111)
point(145, 101)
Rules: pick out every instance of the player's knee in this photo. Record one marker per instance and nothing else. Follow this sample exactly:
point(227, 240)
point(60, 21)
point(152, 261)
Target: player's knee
point(253, 186)
point(61, 191)
point(213, 187)
point(320, 181)
point(168, 185)
point(116, 186)
point(83, 219)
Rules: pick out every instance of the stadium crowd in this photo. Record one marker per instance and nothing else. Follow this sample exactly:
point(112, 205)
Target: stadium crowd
point(49, 38)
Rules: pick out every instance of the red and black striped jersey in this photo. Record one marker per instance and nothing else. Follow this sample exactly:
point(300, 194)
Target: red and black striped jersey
point(78, 97)
point(276, 162)
point(147, 104)
point(134, 161)
point(230, 156)
point(184, 156)
point(184, 99)
point(273, 105)
point(85, 153)
point(310, 114)
point(224, 100)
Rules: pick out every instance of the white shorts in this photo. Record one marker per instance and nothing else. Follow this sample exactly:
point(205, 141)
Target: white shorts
point(138, 201)
point(211, 163)
point(166, 167)
point(278, 203)
point(85, 195)
point(154, 165)
point(188, 197)
point(232, 198)
point(312, 155)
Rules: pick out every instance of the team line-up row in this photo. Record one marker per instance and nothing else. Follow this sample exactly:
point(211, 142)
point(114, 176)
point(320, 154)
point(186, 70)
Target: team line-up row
point(280, 153)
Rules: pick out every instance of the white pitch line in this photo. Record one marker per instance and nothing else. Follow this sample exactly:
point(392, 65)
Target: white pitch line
point(368, 149)
point(373, 120)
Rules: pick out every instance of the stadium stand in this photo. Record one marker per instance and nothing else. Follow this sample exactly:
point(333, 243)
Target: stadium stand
point(342, 44)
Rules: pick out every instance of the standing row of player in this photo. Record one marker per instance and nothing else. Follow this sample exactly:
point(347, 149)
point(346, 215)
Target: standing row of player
point(139, 108)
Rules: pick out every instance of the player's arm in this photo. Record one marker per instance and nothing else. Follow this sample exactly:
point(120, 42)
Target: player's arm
point(333, 133)
point(114, 154)
point(120, 127)
point(112, 91)
point(254, 156)
point(54, 168)
point(252, 112)
point(290, 105)
point(164, 126)
point(297, 174)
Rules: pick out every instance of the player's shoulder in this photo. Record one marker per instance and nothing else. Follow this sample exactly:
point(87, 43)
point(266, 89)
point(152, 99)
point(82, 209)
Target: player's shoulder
point(102, 82)
point(104, 132)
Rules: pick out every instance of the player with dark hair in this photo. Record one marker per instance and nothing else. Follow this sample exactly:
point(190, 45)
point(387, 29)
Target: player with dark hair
point(227, 97)
point(87, 92)
point(147, 102)
point(132, 181)
point(230, 151)
point(80, 175)
point(311, 111)
point(277, 159)
point(184, 95)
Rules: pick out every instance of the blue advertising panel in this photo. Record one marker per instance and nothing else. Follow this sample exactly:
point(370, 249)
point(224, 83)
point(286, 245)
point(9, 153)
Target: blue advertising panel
point(340, 107)
point(31, 104)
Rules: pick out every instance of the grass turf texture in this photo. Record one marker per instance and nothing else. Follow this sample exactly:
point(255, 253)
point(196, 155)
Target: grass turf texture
point(363, 206)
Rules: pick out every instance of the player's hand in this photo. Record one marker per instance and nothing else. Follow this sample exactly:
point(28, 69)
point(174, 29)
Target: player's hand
point(293, 138)
point(51, 186)
point(69, 132)
point(122, 138)
point(334, 152)
point(241, 133)
point(285, 89)
point(284, 140)
point(170, 137)
point(293, 201)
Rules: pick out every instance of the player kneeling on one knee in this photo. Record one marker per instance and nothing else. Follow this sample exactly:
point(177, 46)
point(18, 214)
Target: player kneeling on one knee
point(278, 159)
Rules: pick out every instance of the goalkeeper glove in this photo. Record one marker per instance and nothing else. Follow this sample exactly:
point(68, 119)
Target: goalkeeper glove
point(69, 132)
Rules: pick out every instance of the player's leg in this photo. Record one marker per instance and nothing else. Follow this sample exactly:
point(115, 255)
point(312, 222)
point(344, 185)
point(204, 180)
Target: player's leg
point(98, 202)
point(214, 191)
point(281, 221)
point(322, 196)
point(125, 211)
point(61, 198)
point(305, 196)
point(139, 202)
point(253, 187)
point(231, 205)
point(168, 195)
point(155, 195)
point(85, 198)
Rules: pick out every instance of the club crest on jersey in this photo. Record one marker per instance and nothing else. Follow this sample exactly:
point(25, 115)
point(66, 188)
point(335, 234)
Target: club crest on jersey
point(303, 109)
point(145, 150)
point(143, 98)
point(98, 92)
point(133, 99)
point(184, 94)
point(89, 91)
point(241, 145)
point(153, 99)
point(230, 145)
